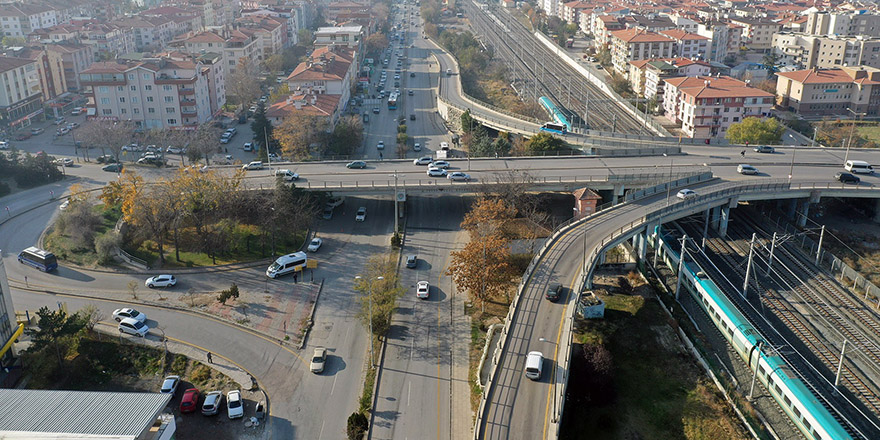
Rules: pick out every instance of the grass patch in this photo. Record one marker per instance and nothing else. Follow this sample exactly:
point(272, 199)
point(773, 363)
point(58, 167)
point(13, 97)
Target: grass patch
point(365, 403)
point(64, 247)
point(871, 133)
point(660, 391)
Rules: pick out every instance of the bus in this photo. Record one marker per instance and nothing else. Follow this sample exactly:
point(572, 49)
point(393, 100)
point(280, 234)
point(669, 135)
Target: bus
point(38, 258)
point(554, 128)
point(392, 101)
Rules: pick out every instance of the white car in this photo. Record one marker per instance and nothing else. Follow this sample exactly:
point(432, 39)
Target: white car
point(422, 290)
point(64, 205)
point(255, 165)
point(361, 214)
point(439, 164)
point(417, 147)
point(4, 145)
point(459, 176)
point(746, 169)
point(169, 385)
point(686, 194)
point(287, 175)
point(315, 244)
point(381, 145)
point(436, 172)
point(128, 312)
point(335, 201)
point(424, 160)
point(133, 327)
point(444, 146)
point(161, 281)
point(173, 150)
point(234, 404)
point(319, 358)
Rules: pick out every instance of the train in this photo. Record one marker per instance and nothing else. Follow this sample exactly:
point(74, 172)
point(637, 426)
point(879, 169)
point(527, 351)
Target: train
point(555, 113)
point(797, 401)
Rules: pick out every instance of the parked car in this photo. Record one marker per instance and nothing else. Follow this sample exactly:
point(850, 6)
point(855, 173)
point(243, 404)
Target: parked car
point(255, 165)
point(335, 201)
point(412, 261)
point(190, 400)
point(356, 164)
point(417, 147)
point(847, 178)
point(686, 194)
point(234, 404)
point(423, 289)
point(764, 149)
point(248, 146)
point(746, 169)
point(64, 205)
point(4, 145)
point(444, 146)
point(361, 214)
point(128, 312)
point(315, 244)
point(161, 281)
point(376, 110)
point(211, 405)
point(287, 175)
point(424, 160)
point(23, 136)
point(59, 121)
point(412, 74)
point(328, 213)
point(169, 385)
point(319, 358)
point(174, 150)
point(36, 131)
point(412, 116)
point(76, 111)
point(107, 158)
point(133, 327)
point(459, 176)
point(115, 168)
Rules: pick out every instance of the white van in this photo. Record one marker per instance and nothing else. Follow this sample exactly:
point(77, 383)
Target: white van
point(286, 264)
point(859, 166)
point(534, 365)
point(287, 175)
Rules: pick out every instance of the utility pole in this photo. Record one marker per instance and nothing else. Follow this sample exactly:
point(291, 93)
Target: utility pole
point(755, 371)
point(614, 124)
point(680, 265)
point(587, 112)
point(819, 248)
point(749, 266)
point(840, 364)
point(770, 260)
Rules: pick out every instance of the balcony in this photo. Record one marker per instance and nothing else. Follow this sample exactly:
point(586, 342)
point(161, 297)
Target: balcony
point(186, 91)
point(188, 111)
point(189, 102)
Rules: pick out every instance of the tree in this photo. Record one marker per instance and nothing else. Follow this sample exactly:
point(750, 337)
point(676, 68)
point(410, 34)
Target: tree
point(468, 123)
point(545, 142)
point(482, 268)
point(301, 136)
point(54, 329)
point(13, 41)
point(479, 144)
point(200, 143)
point(770, 60)
point(263, 130)
point(243, 85)
point(486, 217)
point(379, 297)
point(281, 92)
point(108, 135)
point(80, 222)
point(274, 62)
point(227, 294)
point(376, 42)
point(347, 136)
point(754, 130)
point(357, 425)
point(604, 57)
point(152, 210)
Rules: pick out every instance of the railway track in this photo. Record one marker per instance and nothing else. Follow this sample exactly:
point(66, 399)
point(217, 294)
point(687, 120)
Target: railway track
point(520, 49)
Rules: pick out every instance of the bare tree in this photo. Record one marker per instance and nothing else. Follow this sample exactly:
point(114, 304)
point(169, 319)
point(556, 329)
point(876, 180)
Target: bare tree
point(133, 289)
point(243, 85)
point(108, 135)
point(201, 143)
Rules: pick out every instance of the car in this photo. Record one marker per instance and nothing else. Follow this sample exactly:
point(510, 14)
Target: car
point(255, 165)
point(107, 158)
point(128, 312)
point(174, 150)
point(444, 146)
point(36, 131)
point(161, 281)
point(436, 172)
point(114, 168)
point(211, 405)
point(4, 145)
point(66, 161)
point(423, 289)
point(366, 118)
point(169, 385)
point(449, 71)
point(412, 74)
point(380, 145)
point(315, 244)
point(847, 178)
point(410, 93)
point(361, 214)
point(72, 125)
point(554, 291)
point(376, 110)
point(319, 358)
point(397, 76)
point(59, 121)
point(76, 111)
point(417, 147)
point(23, 136)
point(440, 164)
point(190, 400)
point(328, 213)
point(356, 164)
point(459, 176)
point(534, 365)
point(412, 261)
point(133, 327)
point(64, 206)
point(232, 131)
point(424, 160)
point(335, 201)
point(686, 194)
point(746, 169)
point(253, 108)
point(764, 149)
point(412, 116)
point(62, 131)
point(225, 138)
point(248, 146)
point(287, 175)
point(234, 405)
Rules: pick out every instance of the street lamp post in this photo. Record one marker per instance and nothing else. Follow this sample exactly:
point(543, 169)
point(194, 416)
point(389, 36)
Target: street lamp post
point(669, 184)
point(396, 212)
point(370, 298)
point(852, 129)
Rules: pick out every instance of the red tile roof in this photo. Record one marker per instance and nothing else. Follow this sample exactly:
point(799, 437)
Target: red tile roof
point(679, 34)
point(634, 35)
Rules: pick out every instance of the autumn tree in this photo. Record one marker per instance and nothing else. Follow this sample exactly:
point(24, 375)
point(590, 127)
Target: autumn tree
point(754, 130)
point(301, 136)
point(200, 199)
point(200, 143)
point(379, 297)
point(243, 85)
point(376, 42)
point(348, 135)
point(108, 135)
point(274, 62)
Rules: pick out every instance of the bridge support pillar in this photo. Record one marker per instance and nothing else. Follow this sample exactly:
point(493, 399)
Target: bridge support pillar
point(714, 216)
point(877, 211)
point(725, 219)
point(790, 208)
point(616, 193)
point(803, 209)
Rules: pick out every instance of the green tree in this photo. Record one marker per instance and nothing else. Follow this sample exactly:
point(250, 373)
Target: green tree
point(604, 57)
point(376, 42)
point(357, 426)
point(479, 144)
point(13, 41)
point(468, 122)
point(755, 130)
point(347, 136)
point(544, 143)
point(502, 144)
point(54, 329)
point(263, 130)
point(770, 60)
point(379, 297)
point(274, 62)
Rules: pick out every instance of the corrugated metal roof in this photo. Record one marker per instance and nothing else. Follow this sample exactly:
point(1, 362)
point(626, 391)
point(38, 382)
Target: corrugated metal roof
point(80, 412)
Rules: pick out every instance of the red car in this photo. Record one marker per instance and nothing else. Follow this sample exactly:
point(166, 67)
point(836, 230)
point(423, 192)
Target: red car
point(22, 136)
point(190, 401)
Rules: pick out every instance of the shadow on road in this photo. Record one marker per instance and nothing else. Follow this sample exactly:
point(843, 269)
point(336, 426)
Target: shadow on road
point(71, 274)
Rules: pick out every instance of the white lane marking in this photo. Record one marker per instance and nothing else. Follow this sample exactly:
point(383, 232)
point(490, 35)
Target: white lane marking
point(321, 432)
point(408, 390)
point(333, 387)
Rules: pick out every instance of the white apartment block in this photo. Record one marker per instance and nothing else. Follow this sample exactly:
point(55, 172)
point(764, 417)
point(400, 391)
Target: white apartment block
point(683, 23)
point(688, 45)
point(706, 106)
point(234, 45)
point(843, 23)
point(19, 20)
point(350, 36)
point(20, 93)
point(154, 94)
point(757, 34)
point(808, 51)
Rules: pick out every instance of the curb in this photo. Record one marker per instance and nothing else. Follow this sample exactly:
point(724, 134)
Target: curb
point(311, 321)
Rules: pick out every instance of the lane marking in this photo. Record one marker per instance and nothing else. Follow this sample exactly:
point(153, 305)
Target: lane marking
point(555, 352)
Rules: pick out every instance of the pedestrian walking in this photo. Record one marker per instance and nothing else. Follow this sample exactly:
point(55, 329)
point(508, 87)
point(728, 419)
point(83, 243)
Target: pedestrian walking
point(295, 276)
point(210, 358)
point(26, 282)
point(742, 153)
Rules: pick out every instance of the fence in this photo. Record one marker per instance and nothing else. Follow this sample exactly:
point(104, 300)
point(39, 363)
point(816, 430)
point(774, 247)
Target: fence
point(128, 258)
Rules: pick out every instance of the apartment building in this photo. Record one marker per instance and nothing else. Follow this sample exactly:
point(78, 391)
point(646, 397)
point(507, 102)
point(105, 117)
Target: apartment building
point(269, 32)
point(829, 23)
point(108, 39)
point(646, 76)
point(350, 36)
point(602, 27)
point(20, 19)
point(312, 104)
point(234, 44)
point(49, 69)
point(284, 14)
point(683, 23)
point(808, 51)
point(75, 58)
point(757, 33)
point(706, 106)
point(550, 7)
point(821, 92)
point(10, 330)
point(328, 70)
point(637, 44)
point(20, 95)
point(574, 11)
point(688, 45)
point(724, 38)
point(159, 93)
point(150, 33)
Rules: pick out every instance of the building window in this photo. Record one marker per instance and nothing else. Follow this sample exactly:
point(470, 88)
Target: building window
point(151, 110)
point(136, 110)
point(107, 111)
point(121, 99)
point(169, 99)
point(149, 99)
point(172, 121)
point(131, 76)
point(736, 119)
point(133, 88)
point(148, 87)
point(166, 88)
point(169, 109)
point(103, 89)
point(123, 111)
point(134, 99)
point(119, 88)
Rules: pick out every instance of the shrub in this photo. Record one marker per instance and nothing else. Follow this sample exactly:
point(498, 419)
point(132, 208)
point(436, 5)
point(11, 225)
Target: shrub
point(178, 365)
point(396, 240)
point(4, 189)
point(225, 295)
point(106, 245)
point(200, 375)
point(357, 426)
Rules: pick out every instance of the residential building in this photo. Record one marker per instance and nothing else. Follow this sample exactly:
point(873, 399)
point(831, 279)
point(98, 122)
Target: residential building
point(683, 23)
point(10, 330)
point(572, 11)
point(350, 36)
point(637, 44)
point(820, 92)
point(52, 414)
point(722, 40)
point(757, 33)
point(313, 104)
point(805, 51)
point(603, 26)
point(20, 95)
point(269, 32)
point(20, 19)
point(706, 106)
point(150, 33)
point(646, 76)
point(328, 70)
point(49, 69)
point(827, 23)
point(107, 39)
point(75, 58)
point(234, 44)
point(284, 14)
point(688, 45)
point(212, 66)
point(550, 7)
point(154, 93)
point(750, 72)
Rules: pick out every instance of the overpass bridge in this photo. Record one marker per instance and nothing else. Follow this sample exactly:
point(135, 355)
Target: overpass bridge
point(514, 407)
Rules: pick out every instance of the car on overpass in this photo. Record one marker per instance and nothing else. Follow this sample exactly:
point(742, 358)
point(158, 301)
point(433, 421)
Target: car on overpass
point(847, 178)
point(764, 149)
point(746, 169)
point(424, 160)
point(459, 176)
point(436, 172)
point(356, 164)
point(686, 194)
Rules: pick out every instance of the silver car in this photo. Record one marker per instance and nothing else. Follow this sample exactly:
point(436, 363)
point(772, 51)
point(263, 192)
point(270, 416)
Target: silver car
point(211, 405)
